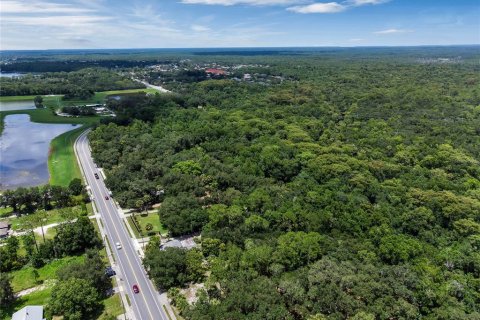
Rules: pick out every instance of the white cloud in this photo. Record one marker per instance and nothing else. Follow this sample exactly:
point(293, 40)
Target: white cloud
point(148, 15)
point(36, 7)
point(329, 7)
point(247, 2)
point(199, 28)
point(58, 21)
point(33, 23)
point(278, 2)
point(356, 40)
point(358, 3)
point(299, 6)
point(392, 31)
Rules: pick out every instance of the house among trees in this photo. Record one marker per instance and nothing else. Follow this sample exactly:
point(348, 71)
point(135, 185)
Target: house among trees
point(29, 313)
point(4, 227)
point(215, 72)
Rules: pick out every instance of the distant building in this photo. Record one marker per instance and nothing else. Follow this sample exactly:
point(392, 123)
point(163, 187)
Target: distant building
point(29, 313)
point(4, 227)
point(172, 244)
point(185, 242)
point(215, 72)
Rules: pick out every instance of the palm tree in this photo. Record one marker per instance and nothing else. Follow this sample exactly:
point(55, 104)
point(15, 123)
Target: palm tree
point(38, 220)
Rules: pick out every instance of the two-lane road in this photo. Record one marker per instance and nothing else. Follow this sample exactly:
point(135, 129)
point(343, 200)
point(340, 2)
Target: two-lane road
point(145, 304)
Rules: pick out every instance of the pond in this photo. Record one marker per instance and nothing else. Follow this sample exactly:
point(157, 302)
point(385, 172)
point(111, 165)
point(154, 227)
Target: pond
point(16, 105)
point(24, 147)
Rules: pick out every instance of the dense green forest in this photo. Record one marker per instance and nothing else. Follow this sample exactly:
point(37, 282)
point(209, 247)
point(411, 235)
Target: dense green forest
point(350, 193)
point(79, 84)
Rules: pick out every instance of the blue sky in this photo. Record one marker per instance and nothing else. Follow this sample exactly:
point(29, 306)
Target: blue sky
point(52, 24)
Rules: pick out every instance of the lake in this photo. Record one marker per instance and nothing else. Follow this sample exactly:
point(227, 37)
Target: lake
point(10, 75)
point(16, 105)
point(24, 147)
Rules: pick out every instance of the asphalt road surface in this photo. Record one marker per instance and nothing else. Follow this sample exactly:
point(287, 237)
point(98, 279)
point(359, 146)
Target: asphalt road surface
point(145, 304)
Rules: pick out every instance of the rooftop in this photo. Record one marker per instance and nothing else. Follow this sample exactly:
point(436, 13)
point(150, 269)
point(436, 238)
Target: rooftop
point(215, 71)
point(29, 313)
point(4, 225)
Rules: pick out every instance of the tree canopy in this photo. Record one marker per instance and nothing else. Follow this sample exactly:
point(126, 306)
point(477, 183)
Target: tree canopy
point(348, 191)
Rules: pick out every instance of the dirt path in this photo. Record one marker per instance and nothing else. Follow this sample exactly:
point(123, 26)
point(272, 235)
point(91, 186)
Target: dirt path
point(47, 284)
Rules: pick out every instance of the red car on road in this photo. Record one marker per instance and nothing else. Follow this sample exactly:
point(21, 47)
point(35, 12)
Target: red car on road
point(135, 288)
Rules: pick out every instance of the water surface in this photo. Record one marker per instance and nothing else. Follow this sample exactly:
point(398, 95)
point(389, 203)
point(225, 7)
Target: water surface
point(16, 105)
point(24, 147)
point(10, 75)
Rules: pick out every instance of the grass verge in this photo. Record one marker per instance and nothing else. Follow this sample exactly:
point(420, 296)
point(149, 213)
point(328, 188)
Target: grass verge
point(128, 229)
point(62, 162)
point(103, 251)
point(166, 312)
point(112, 307)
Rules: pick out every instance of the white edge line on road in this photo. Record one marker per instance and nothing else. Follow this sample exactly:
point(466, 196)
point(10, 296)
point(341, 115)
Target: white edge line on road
point(83, 135)
point(147, 280)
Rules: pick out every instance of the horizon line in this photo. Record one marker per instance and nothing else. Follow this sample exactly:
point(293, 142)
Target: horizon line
point(259, 47)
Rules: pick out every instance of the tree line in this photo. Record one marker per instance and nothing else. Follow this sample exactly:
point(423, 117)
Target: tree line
point(28, 200)
point(79, 84)
point(78, 111)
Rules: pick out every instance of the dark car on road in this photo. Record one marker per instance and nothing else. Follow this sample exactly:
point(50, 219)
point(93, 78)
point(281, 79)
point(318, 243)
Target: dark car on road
point(135, 288)
point(96, 176)
point(106, 197)
point(110, 272)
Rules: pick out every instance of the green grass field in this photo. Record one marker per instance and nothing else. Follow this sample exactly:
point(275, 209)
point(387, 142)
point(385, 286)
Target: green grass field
point(16, 98)
point(112, 306)
point(21, 223)
point(5, 212)
point(56, 100)
point(144, 220)
point(49, 234)
point(35, 298)
point(23, 279)
point(62, 162)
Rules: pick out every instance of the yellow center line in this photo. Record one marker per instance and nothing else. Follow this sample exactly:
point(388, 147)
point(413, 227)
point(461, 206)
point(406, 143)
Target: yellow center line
point(120, 240)
point(140, 266)
point(128, 259)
